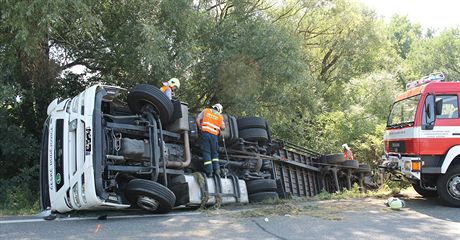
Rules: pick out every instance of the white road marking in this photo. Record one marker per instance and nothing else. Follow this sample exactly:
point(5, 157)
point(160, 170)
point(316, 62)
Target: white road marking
point(95, 218)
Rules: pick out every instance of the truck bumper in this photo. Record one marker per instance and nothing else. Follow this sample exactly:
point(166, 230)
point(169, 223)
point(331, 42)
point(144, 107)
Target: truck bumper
point(408, 166)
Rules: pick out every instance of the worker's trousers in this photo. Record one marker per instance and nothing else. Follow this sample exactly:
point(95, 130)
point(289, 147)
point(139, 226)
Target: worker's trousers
point(209, 148)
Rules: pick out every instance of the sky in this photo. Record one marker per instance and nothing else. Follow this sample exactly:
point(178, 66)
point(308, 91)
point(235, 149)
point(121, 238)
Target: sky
point(436, 14)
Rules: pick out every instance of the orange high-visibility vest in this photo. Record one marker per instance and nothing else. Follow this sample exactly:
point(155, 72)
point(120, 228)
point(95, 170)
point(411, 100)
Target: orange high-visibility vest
point(164, 88)
point(348, 155)
point(211, 122)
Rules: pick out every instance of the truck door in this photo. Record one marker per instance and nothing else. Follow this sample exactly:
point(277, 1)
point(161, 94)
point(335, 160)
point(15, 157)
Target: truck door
point(445, 132)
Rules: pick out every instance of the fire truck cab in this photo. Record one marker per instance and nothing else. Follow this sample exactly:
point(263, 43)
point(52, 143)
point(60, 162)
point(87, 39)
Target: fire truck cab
point(422, 138)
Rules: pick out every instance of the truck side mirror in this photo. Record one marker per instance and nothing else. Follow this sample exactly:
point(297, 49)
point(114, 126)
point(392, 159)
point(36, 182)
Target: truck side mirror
point(429, 114)
point(438, 107)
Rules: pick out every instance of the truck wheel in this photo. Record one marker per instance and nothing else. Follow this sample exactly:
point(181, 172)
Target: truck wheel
point(448, 186)
point(332, 158)
point(351, 164)
point(150, 196)
point(263, 196)
point(424, 192)
point(254, 134)
point(261, 185)
point(251, 122)
point(364, 168)
point(144, 94)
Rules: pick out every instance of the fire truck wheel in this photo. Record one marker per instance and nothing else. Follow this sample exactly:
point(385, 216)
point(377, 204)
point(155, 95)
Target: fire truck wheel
point(254, 134)
point(263, 196)
point(261, 185)
point(424, 192)
point(448, 186)
point(144, 94)
point(251, 122)
point(150, 196)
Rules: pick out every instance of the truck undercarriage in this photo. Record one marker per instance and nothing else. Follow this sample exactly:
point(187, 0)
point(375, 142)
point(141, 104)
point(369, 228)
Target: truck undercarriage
point(145, 153)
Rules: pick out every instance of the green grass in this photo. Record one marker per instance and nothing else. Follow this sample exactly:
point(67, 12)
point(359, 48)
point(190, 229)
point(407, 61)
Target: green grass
point(382, 192)
point(19, 201)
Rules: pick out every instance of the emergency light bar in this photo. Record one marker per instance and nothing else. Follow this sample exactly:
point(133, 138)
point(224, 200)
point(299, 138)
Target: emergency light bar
point(434, 77)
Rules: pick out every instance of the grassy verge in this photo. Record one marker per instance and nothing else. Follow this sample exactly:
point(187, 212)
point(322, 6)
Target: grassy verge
point(383, 192)
point(19, 194)
point(328, 206)
point(18, 200)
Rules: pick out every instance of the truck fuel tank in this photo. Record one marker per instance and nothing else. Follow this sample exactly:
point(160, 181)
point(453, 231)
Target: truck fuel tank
point(190, 190)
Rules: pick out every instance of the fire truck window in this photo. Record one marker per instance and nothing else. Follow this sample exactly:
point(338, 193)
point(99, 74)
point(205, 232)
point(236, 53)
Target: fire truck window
point(449, 106)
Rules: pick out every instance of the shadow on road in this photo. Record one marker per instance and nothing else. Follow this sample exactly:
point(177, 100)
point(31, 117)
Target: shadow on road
point(433, 207)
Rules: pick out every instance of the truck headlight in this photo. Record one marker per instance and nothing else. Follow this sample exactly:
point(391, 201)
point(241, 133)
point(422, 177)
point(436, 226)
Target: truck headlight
point(76, 196)
point(73, 125)
point(83, 193)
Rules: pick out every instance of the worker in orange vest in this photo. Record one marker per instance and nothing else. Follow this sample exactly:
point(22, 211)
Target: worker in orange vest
point(170, 87)
point(347, 153)
point(210, 122)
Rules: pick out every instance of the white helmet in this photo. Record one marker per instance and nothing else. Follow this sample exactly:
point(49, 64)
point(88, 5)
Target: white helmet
point(345, 146)
point(174, 82)
point(218, 107)
point(395, 203)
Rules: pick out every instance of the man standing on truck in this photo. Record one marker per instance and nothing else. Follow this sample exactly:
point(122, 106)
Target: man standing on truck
point(210, 122)
point(170, 87)
point(347, 153)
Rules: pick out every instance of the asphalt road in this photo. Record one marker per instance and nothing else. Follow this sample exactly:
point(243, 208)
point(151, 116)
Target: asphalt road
point(344, 219)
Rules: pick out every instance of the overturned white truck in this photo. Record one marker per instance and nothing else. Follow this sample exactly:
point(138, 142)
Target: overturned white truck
point(112, 148)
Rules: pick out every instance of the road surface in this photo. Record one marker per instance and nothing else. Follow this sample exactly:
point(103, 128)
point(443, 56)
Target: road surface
point(334, 219)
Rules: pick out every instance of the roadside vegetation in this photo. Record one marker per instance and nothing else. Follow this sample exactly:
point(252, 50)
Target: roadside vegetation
point(322, 72)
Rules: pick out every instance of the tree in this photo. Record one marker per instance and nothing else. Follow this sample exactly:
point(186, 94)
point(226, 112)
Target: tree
point(341, 40)
point(440, 53)
point(244, 61)
point(402, 34)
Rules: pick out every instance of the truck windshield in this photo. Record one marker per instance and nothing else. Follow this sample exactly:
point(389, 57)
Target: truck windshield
point(403, 112)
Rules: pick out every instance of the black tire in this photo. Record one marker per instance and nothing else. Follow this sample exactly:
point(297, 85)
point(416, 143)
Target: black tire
point(448, 186)
point(144, 94)
point(138, 188)
point(251, 122)
point(351, 164)
point(254, 134)
point(332, 158)
point(263, 196)
point(261, 185)
point(424, 192)
point(364, 168)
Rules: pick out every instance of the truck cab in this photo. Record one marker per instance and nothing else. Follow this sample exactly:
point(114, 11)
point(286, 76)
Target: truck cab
point(422, 138)
point(110, 148)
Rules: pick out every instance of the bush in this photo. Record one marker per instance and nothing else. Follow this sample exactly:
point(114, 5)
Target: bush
point(20, 194)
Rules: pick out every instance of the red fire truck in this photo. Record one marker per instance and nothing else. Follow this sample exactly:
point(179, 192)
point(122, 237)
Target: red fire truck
point(422, 138)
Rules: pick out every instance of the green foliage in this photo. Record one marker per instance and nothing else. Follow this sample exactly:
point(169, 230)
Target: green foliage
point(439, 53)
point(403, 34)
point(19, 194)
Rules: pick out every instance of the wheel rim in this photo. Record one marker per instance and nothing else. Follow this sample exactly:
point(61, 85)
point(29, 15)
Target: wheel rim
point(453, 186)
point(147, 203)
